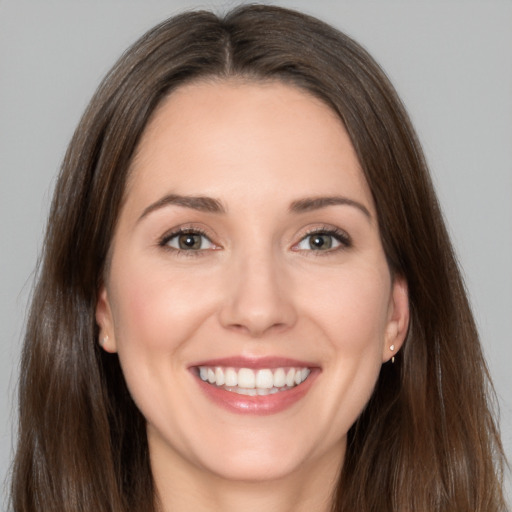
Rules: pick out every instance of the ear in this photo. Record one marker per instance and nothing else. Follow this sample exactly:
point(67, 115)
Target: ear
point(398, 319)
point(105, 322)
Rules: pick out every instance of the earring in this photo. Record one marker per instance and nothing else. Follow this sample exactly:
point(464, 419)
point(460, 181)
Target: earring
point(392, 348)
point(103, 341)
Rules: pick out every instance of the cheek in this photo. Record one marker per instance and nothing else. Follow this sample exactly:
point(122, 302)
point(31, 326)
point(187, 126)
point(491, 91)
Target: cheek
point(156, 313)
point(157, 308)
point(352, 312)
point(351, 307)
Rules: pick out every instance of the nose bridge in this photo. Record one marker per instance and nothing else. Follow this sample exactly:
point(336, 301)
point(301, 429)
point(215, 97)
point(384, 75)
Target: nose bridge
point(260, 295)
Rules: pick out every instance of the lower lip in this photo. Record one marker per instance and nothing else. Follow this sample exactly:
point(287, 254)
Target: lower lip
point(259, 404)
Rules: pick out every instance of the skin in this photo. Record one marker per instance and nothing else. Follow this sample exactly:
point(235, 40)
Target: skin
point(255, 288)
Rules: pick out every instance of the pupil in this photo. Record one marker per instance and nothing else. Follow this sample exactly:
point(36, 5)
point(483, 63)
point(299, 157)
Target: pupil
point(320, 242)
point(190, 241)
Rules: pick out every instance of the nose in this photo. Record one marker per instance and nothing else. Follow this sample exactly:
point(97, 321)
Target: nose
point(259, 296)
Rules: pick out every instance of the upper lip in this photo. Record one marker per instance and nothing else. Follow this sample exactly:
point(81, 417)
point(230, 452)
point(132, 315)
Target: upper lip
point(255, 362)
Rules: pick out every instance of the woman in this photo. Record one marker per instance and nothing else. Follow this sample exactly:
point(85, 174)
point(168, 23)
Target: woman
point(248, 297)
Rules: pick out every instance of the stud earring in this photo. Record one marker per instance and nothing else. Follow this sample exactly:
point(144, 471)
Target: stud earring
point(392, 348)
point(103, 341)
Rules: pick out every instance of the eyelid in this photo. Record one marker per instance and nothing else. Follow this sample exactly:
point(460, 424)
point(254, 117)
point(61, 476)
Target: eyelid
point(338, 234)
point(163, 241)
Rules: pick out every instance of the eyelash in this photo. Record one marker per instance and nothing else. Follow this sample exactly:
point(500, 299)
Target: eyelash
point(340, 236)
point(165, 239)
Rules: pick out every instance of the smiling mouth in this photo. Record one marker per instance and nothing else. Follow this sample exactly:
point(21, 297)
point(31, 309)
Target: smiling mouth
point(246, 381)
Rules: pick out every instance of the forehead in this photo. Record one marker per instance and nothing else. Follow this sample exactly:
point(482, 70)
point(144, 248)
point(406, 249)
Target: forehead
point(246, 138)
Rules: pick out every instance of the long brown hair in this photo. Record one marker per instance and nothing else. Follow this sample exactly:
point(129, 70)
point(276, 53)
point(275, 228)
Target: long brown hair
point(427, 440)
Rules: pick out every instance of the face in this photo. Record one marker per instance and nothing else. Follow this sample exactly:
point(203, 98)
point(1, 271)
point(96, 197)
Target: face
point(248, 297)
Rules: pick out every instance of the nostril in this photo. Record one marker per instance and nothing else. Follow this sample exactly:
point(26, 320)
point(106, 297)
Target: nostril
point(255, 330)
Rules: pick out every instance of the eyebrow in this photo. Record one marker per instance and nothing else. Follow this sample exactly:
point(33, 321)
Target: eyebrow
point(200, 203)
point(211, 205)
point(316, 203)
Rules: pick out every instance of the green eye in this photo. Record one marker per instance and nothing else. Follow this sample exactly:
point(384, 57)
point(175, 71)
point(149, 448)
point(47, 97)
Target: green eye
point(323, 241)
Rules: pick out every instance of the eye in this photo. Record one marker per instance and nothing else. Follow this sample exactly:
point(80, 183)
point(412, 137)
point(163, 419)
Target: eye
point(189, 240)
point(323, 241)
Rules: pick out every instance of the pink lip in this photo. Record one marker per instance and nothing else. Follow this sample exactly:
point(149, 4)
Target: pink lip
point(255, 362)
point(258, 405)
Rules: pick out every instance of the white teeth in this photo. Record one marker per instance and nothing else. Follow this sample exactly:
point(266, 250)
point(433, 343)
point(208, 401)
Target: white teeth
point(247, 381)
point(290, 377)
point(219, 377)
point(246, 378)
point(231, 377)
point(279, 378)
point(264, 379)
point(245, 391)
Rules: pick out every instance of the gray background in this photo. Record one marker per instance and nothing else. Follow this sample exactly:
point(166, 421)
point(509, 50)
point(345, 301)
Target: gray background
point(450, 61)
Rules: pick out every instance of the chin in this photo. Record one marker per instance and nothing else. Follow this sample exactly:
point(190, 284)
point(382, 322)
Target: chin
point(254, 467)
